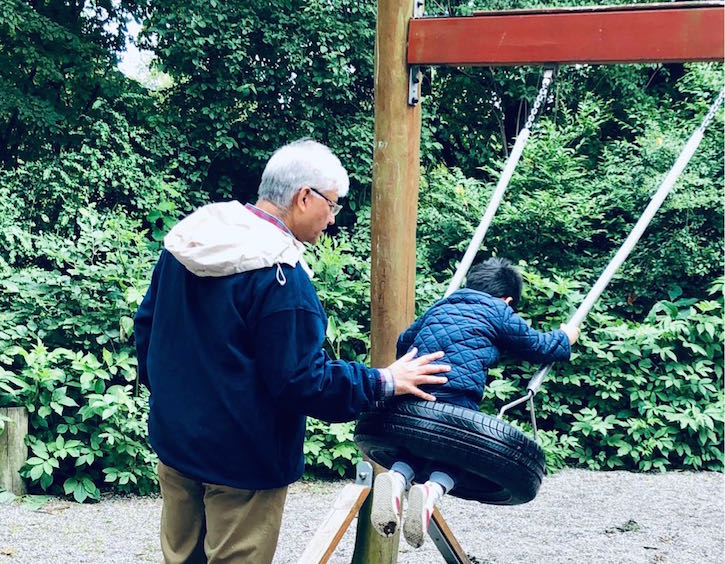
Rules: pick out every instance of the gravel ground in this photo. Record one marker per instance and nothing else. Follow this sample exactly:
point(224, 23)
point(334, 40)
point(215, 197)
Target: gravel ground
point(578, 516)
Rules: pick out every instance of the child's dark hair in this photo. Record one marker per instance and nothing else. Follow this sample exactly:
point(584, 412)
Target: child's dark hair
point(498, 277)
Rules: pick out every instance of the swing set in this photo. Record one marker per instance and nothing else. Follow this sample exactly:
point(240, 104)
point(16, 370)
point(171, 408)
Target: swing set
point(495, 462)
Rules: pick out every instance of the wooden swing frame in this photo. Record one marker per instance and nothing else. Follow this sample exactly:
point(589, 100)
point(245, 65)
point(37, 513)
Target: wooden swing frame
point(406, 40)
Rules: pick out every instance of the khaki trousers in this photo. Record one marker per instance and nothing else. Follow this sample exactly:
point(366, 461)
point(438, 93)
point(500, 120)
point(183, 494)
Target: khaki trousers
point(203, 522)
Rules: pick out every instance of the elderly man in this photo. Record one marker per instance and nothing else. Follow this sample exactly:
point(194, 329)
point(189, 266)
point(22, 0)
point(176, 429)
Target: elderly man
point(229, 341)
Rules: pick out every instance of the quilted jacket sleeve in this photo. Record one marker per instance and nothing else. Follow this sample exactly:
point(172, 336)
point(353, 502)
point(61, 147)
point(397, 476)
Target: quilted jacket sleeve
point(407, 337)
point(516, 337)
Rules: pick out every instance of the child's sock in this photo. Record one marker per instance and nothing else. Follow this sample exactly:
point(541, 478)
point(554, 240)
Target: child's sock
point(405, 472)
point(436, 492)
point(443, 479)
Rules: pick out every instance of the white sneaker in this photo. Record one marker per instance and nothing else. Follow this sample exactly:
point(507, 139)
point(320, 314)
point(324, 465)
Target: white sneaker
point(387, 503)
point(422, 499)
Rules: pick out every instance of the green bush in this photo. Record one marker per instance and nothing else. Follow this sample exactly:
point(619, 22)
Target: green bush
point(86, 432)
point(79, 292)
point(342, 284)
point(75, 260)
point(113, 169)
point(67, 355)
point(329, 449)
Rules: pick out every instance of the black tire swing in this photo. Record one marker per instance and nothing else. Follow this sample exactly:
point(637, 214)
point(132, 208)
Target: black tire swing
point(493, 462)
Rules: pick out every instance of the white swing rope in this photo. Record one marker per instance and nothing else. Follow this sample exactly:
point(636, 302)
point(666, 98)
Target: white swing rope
point(503, 183)
point(606, 276)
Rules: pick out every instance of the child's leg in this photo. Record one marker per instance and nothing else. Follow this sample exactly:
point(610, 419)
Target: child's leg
point(388, 498)
point(442, 479)
point(405, 471)
point(422, 499)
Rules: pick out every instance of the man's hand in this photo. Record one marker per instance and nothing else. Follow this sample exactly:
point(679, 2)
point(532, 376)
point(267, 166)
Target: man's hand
point(410, 372)
point(571, 332)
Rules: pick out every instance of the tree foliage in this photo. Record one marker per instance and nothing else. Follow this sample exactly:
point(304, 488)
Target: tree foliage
point(57, 58)
point(249, 77)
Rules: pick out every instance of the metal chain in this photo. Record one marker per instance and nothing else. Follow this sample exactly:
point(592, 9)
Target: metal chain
point(546, 81)
point(713, 111)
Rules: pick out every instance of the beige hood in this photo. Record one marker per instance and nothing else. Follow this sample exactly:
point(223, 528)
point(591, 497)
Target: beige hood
point(226, 238)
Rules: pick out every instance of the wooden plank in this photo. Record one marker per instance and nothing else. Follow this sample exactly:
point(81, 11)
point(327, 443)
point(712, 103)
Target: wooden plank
point(445, 540)
point(633, 35)
point(676, 5)
point(331, 531)
point(13, 452)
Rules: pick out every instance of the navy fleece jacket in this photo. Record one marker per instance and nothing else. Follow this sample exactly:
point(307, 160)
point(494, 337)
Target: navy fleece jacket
point(234, 363)
point(472, 328)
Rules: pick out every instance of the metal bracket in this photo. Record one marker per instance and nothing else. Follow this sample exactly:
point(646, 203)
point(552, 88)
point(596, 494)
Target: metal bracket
point(364, 473)
point(418, 8)
point(414, 79)
point(414, 74)
point(528, 397)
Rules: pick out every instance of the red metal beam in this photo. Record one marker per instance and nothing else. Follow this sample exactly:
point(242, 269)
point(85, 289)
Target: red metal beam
point(615, 34)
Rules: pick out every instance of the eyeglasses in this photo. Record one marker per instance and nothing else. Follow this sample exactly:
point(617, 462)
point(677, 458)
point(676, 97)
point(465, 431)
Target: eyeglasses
point(334, 206)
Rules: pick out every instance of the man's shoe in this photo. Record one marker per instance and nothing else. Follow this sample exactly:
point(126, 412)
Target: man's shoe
point(387, 503)
point(422, 499)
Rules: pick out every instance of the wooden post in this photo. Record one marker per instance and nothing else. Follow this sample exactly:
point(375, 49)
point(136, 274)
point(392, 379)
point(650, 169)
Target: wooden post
point(396, 163)
point(370, 547)
point(13, 451)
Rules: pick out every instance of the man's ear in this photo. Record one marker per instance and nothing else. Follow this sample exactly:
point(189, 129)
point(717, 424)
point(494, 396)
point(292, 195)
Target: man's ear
point(301, 198)
point(507, 299)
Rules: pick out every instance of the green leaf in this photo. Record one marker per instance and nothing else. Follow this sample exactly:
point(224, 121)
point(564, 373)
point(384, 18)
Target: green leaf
point(35, 502)
point(36, 472)
point(45, 481)
point(80, 493)
point(674, 292)
point(69, 485)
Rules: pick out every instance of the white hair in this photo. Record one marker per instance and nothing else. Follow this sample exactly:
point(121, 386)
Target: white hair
point(301, 163)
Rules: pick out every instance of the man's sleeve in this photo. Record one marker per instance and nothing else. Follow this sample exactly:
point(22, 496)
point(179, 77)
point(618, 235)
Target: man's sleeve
point(142, 323)
point(516, 337)
point(302, 377)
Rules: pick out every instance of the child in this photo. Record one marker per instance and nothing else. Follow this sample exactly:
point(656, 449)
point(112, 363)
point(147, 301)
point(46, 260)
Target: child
point(472, 326)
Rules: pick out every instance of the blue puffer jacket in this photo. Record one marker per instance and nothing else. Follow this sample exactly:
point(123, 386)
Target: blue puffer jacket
point(471, 328)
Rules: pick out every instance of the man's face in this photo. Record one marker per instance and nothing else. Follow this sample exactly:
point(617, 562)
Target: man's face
point(314, 212)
